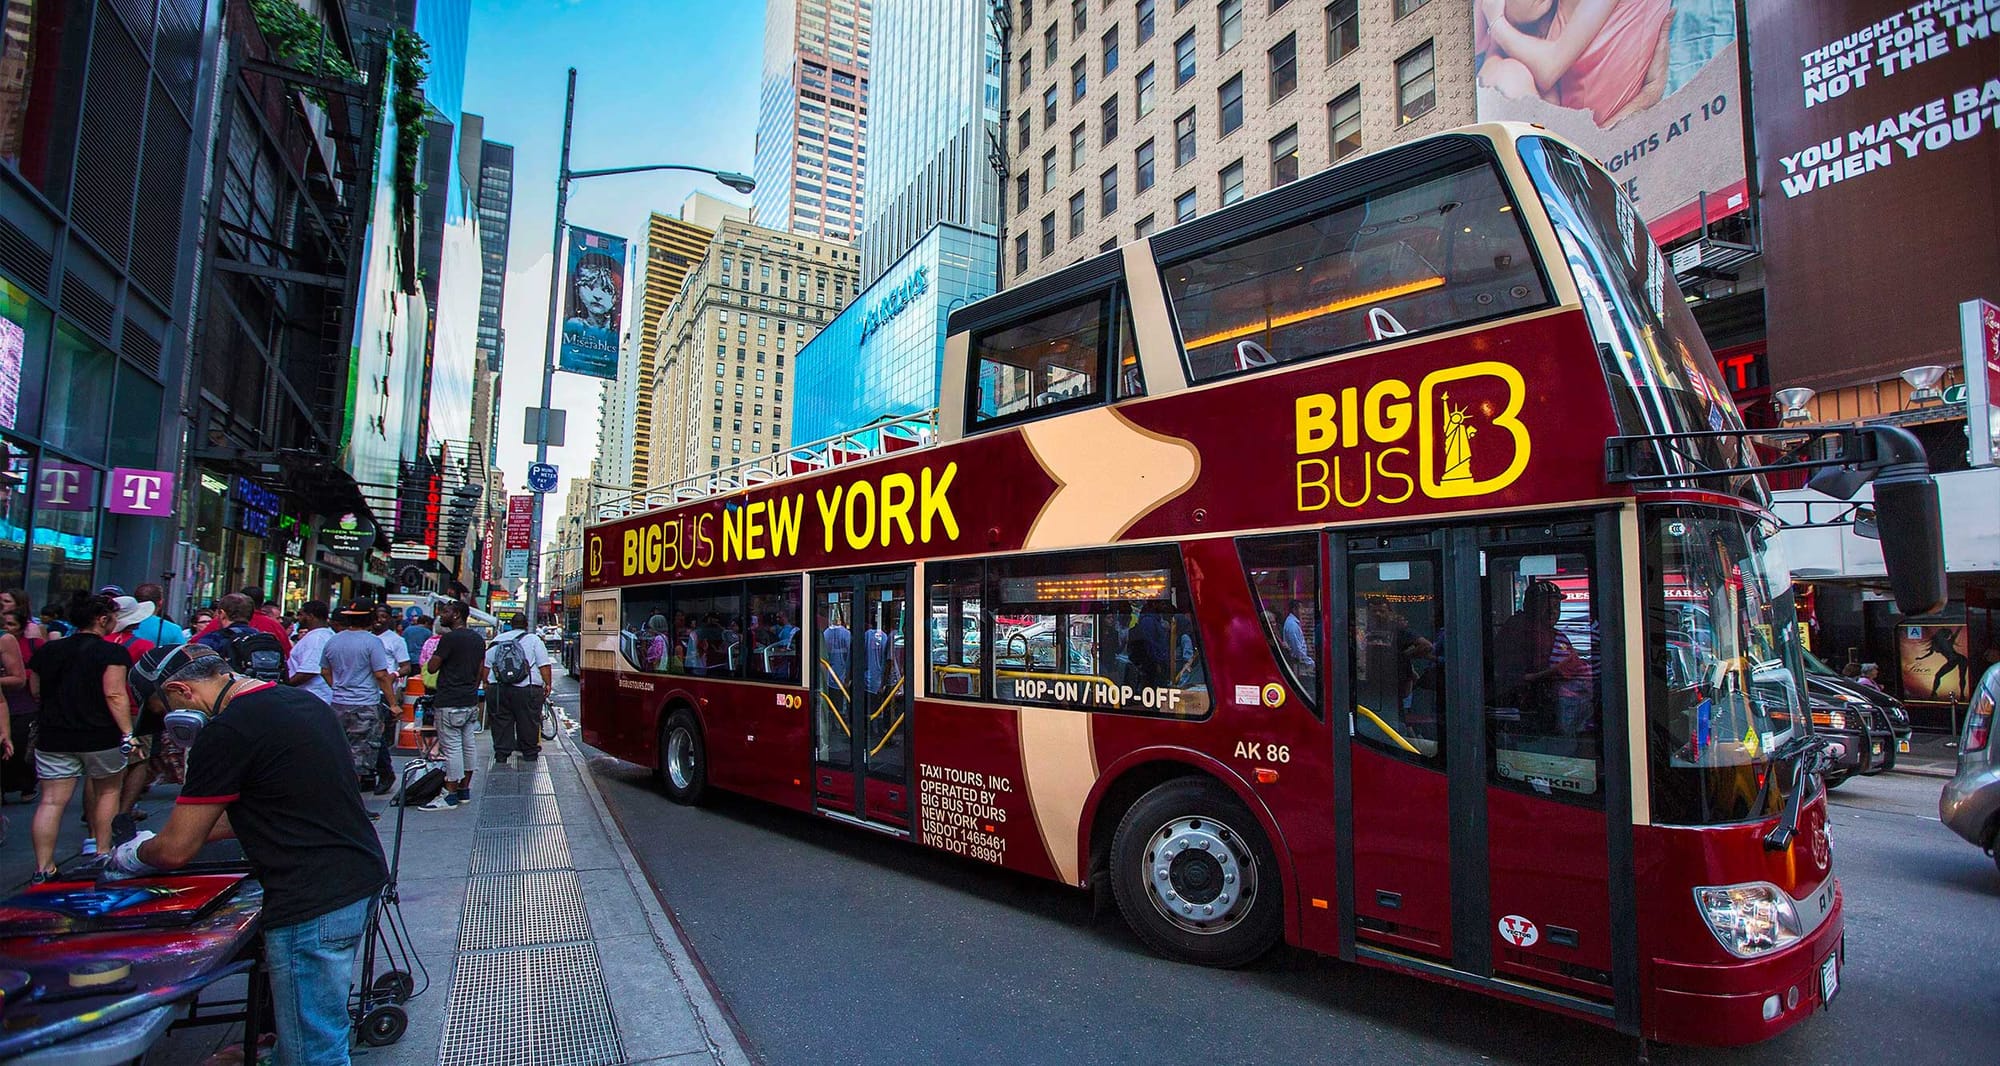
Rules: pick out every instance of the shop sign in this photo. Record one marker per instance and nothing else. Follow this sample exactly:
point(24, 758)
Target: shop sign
point(412, 550)
point(893, 304)
point(348, 535)
point(61, 486)
point(140, 492)
point(338, 564)
point(257, 508)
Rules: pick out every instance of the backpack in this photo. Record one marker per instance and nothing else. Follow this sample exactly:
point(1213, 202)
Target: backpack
point(255, 653)
point(510, 663)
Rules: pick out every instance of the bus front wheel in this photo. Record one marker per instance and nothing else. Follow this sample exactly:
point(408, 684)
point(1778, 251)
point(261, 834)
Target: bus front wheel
point(1194, 876)
point(683, 762)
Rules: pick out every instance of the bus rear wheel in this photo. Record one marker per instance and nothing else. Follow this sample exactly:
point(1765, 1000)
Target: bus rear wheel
point(1194, 876)
point(683, 759)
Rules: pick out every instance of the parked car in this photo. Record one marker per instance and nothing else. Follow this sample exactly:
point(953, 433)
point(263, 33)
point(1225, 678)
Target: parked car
point(1889, 707)
point(1865, 740)
point(1970, 805)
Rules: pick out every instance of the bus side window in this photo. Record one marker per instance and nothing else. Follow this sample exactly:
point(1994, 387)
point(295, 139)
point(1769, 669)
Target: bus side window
point(645, 637)
point(1284, 577)
point(1543, 710)
point(774, 629)
point(954, 633)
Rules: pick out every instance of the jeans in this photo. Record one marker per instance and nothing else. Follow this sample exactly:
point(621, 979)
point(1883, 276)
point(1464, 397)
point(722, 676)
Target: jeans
point(311, 964)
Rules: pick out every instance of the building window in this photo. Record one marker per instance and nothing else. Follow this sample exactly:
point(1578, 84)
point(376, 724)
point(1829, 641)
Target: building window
point(1078, 80)
point(1145, 84)
point(1343, 28)
point(1078, 17)
point(1020, 254)
point(1144, 228)
point(1344, 123)
point(1404, 7)
point(1109, 115)
point(1229, 104)
point(1027, 69)
point(1142, 168)
point(1276, 4)
point(1184, 206)
point(1184, 59)
point(1076, 215)
point(1232, 183)
point(1048, 107)
point(1049, 170)
point(1021, 191)
point(1229, 23)
point(1145, 31)
point(1110, 49)
point(1284, 61)
point(1022, 126)
point(1184, 138)
point(1076, 147)
point(1107, 192)
point(1416, 84)
point(1048, 234)
point(1049, 47)
point(1285, 158)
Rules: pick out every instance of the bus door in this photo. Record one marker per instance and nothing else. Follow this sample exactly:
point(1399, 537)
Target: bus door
point(1479, 820)
point(861, 699)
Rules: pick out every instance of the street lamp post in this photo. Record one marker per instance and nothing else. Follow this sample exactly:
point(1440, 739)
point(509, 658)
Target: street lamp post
point(741, 183)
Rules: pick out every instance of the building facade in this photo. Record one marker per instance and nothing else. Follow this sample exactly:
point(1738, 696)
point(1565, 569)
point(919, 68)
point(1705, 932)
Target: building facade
point(1128, 118)
point(936, 98)
point(812, 117)
point(732, 339)
point(882, 356)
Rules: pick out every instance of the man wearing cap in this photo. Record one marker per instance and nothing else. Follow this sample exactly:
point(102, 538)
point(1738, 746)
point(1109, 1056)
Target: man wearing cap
point(268, 766)
point(358, 670)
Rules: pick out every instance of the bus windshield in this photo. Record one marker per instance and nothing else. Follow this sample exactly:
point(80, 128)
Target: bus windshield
point(1661, 375)
point(1723, 686)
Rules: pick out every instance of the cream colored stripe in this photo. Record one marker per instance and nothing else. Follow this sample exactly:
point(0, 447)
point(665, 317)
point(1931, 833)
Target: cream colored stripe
point(1636, 737)
point(1109, 474)
point(1059, 767)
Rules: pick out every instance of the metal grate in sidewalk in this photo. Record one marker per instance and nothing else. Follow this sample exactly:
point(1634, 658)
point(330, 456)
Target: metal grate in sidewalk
point(516, 910)
point(543, 1006)
point(510, 850)
point(537, 809)
point(519, 783)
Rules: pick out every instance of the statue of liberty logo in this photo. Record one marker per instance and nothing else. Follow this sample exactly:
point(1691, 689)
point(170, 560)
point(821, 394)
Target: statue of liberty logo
point(1457, 442)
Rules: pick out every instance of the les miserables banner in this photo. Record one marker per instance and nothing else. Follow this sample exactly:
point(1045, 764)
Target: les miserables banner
point(596, 304)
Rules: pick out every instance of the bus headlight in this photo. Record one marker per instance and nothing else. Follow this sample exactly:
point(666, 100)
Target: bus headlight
point(1750, 919)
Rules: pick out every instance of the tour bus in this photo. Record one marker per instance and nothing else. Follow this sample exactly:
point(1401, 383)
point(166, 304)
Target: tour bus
point(1377, 565)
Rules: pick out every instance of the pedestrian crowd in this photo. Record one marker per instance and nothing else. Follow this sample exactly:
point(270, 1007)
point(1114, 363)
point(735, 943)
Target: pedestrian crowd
point(272, 723)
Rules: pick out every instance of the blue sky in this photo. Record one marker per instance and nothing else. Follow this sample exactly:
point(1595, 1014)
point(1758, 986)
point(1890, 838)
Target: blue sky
point(658, 81)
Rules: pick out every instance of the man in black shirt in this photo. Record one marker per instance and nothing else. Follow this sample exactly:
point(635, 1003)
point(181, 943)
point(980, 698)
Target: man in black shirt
point(456, 662)
point(271, 767)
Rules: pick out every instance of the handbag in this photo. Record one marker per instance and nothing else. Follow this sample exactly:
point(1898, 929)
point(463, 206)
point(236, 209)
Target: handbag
point(549, 723)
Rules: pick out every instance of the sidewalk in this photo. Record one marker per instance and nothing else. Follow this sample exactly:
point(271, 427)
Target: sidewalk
point(1930, 755)
point(544, 944)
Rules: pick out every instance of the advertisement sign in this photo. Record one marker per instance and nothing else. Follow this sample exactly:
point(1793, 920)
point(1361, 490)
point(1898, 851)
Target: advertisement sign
point(1936, 667)
point(594, 309)
point(1877, 146)
point(256, 509)
point(140, 492)
point(13, 345)
point(520, 522)
point(61, 486)
point(1979, 328)
point(348, 535)
point(1652, 88)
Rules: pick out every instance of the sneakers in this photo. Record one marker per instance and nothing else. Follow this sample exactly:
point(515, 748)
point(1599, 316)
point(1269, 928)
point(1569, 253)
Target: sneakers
point(42, 877)
point(443, 801)
point(499, 762)
point(464, 795)
point(90, 845)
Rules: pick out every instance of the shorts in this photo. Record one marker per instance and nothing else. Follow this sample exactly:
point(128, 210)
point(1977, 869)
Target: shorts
point(61, 765)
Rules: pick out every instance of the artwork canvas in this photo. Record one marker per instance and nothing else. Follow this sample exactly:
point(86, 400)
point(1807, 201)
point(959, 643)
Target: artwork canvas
point(141, 903)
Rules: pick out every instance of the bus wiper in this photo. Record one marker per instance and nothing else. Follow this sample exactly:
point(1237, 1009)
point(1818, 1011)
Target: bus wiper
point(1800, 758)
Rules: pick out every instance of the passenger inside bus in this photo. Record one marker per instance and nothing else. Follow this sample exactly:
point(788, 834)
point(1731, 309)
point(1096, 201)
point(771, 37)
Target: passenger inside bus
point(1390, 657)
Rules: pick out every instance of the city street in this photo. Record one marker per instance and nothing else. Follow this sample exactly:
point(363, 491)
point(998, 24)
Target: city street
point(836, 945)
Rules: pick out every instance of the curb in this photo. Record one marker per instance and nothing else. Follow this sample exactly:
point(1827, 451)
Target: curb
point(726, 1043)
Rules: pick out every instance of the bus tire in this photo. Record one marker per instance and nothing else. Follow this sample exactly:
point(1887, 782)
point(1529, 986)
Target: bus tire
point(1194, 876)
point(683, 759)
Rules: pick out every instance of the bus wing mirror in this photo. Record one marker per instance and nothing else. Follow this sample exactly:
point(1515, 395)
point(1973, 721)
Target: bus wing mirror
point(1912, 532)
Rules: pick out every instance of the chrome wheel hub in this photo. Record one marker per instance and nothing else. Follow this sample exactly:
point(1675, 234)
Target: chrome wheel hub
point(680, 758)
point(1201, 875)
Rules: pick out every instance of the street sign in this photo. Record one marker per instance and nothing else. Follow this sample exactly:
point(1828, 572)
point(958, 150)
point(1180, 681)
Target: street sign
point(541, 477)
point(520, 522)
point(549, 422)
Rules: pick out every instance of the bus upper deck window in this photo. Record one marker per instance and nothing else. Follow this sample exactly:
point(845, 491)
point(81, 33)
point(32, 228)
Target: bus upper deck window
point(1053, 362)
point(1437, 252)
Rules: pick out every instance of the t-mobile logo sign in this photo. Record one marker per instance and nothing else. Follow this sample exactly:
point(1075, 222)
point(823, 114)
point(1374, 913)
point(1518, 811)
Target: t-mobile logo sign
point(140, 492)
point(61, 486)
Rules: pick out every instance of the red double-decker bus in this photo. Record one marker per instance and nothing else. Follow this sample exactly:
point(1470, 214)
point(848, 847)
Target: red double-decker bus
point(1378, 565)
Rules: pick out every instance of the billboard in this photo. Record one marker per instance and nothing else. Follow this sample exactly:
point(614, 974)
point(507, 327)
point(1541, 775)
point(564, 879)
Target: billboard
point(1935, 665)
point(1878, 136)
point(1652, 88)
point(595, 305)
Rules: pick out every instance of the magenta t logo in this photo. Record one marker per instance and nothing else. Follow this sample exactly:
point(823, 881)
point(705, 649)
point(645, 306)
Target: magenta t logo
point(61, 486)
point(140, 492)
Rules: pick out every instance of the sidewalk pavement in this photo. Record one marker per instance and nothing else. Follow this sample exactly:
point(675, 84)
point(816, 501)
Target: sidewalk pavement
point(1930, 755)
point(544, 943)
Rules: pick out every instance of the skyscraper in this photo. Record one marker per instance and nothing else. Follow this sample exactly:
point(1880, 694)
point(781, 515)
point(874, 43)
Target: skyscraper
point(495, 205)
point(812, 117)
point(937, 96)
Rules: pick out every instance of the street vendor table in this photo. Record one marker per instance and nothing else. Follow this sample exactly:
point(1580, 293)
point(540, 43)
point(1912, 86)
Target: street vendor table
point(159, 959)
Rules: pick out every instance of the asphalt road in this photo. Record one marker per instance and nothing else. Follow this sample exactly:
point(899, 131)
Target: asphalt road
point(834, 945)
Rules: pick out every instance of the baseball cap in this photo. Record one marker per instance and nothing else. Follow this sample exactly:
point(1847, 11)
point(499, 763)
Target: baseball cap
point(157, 667)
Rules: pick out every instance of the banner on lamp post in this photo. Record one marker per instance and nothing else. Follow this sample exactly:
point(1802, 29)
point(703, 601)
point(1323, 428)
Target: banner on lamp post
point(594, 307)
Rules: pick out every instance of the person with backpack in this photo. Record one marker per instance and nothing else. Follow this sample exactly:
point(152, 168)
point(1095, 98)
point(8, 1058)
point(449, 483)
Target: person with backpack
point(517, 675)
point(225, 617)
point(357, 668)
point(252, 651)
